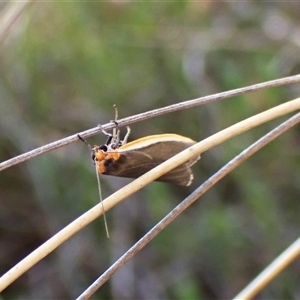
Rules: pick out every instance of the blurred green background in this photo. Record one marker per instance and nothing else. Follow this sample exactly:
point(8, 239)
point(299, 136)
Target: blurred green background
point(62, 68)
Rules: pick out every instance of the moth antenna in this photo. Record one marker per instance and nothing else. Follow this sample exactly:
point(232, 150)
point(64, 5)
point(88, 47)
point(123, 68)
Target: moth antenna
point(101, 199)
point(83, 140)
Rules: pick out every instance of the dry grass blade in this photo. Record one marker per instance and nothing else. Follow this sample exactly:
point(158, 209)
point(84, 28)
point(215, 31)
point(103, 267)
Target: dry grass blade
point(274, 269)
point(142, 181)
point(143, 116)
point(10, 16)
point(260, 282)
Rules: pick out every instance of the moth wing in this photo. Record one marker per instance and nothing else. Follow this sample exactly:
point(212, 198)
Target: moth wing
point(135, 162)
point(181, 175)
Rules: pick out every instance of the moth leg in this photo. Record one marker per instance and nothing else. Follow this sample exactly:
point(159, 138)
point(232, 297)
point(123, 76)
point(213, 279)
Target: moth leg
point(126, 136)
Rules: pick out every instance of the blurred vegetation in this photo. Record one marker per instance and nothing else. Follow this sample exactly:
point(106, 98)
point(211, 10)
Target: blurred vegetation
point(63, 67)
